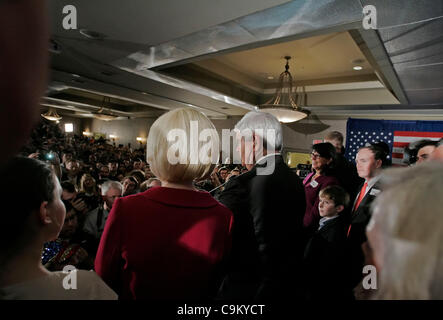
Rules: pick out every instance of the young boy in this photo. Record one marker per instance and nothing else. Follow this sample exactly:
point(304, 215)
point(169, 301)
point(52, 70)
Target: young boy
point(324, 258)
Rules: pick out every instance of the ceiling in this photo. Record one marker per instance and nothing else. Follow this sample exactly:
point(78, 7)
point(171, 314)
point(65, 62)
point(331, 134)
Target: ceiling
point(314, 58)
point(217, 56)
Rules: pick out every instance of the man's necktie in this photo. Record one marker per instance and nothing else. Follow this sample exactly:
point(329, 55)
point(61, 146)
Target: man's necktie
point(359, 199)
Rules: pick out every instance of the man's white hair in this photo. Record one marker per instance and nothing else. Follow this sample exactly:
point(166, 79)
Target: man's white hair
point(261, 123)
point(408, 223)
point(111, 184)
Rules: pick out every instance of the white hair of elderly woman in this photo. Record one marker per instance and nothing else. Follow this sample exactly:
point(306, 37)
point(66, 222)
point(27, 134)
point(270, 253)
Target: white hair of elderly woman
point(406, 233)
point(264, 125)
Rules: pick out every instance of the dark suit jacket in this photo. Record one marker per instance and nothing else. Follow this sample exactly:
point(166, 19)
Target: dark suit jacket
point(325, 263)
point(267, 232)
point(347, 175)
point(357, 235)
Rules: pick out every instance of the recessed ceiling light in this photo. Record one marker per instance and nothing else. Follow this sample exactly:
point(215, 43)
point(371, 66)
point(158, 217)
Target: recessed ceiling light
point(75, 75)
point(357, 68)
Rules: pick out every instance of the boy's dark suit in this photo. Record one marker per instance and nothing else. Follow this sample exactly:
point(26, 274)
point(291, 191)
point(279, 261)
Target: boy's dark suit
point(325, 262)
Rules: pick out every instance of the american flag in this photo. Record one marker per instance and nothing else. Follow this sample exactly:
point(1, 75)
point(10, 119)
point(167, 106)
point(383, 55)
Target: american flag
point(357, 139)
point(396, 134)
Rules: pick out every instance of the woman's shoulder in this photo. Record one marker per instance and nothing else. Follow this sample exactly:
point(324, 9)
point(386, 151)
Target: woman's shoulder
point(78, 285)
point(328, 180)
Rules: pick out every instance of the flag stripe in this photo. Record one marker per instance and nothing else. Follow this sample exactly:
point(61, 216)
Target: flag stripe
point(397, 155)
point(411, 139)
point(400, 144)
point(419, 134)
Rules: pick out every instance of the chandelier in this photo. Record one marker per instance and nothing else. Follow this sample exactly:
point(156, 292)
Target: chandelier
point(101, 115)
point(51, 115)
point(285, 104)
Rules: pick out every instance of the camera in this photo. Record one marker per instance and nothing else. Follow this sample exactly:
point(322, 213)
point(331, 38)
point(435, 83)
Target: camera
point(303, 170)
point(49, 156)
point(46, 156)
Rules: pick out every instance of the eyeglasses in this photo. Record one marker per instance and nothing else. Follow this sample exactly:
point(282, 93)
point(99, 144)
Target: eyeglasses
point(315, 155)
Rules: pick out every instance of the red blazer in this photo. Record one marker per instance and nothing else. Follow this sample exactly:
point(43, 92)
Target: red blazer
point(164, 243)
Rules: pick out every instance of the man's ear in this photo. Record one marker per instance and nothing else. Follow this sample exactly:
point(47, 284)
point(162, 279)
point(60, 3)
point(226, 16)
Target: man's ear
point(44, 213)
point(340, 208)
point(378, 163)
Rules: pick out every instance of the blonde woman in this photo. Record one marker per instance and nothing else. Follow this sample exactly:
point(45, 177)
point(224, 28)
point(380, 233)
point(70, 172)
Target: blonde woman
point(169, 242)
point(406, 233)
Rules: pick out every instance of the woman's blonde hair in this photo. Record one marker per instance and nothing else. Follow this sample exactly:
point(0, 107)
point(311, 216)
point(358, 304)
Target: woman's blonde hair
point(182, 145)
point(408, 221)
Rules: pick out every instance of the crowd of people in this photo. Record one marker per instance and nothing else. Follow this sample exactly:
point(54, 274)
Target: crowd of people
point(157, 230)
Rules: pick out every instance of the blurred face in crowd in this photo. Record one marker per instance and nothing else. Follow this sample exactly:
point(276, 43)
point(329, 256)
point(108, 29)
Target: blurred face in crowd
point(73, 167)
point(235, 173)
point(155, 183)
point(424, 153)
point(67, 157)
point(104, 172)
point(148, 173)
point(367, 166)
point(110, 197)
point(138, 165)
point(113, 166)
point(319, 162)
point(128, 186)
point(89, 182)
point(336, 143)
point(223, 174)
point(70, 224)
point(68, 196)
point(327, 207)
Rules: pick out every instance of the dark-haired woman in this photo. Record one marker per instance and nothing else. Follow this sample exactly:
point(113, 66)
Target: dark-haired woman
point(34, 214)
point(322, 175)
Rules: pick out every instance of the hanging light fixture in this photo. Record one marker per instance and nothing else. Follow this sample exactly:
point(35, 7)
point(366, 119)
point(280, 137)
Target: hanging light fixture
point(101, 115)
point(51, 115)
point(285, 104)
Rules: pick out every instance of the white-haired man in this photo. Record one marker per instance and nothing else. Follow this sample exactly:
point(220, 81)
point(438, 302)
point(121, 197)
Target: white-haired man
point(96, 219)
point(268, 203)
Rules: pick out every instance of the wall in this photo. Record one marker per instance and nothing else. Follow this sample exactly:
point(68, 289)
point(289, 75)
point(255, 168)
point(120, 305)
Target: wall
point(300, 142)
point(126, 130)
